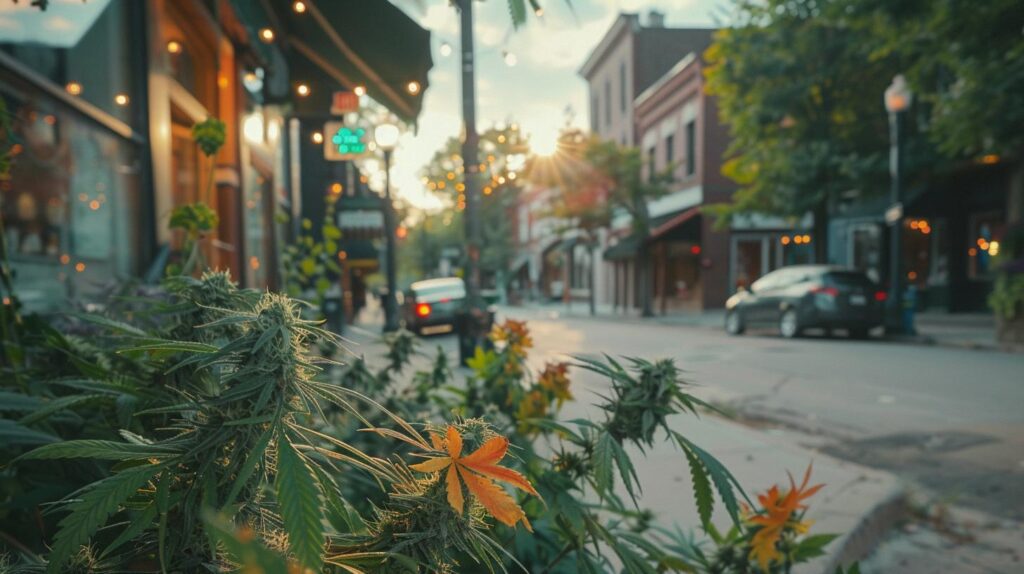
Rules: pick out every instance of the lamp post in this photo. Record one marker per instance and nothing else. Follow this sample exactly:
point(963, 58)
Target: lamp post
point(897, 100)
point(386, 137)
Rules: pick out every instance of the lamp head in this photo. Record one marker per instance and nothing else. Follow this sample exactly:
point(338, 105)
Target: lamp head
point(898, 96)
point(386, 136)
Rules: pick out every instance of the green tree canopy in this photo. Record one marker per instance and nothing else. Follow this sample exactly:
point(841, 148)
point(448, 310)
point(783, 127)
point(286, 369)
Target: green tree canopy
point(801, 90)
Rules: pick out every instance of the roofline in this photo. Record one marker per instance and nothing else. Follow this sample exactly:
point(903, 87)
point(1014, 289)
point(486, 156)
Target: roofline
point(602, 48)
point(681, 65)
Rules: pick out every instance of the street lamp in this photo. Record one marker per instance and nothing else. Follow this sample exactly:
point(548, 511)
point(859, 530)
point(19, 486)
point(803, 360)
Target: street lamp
point(386, 137)
point(898, 98)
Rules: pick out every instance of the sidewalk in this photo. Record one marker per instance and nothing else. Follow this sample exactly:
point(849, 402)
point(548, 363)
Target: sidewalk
point(959, 330)
point(859, 503)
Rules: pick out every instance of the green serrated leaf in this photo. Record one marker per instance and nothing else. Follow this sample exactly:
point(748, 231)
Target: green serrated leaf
point(12, 433)
point(100, 449)
point(603, 459)
point(298, 495)
point(92, 509)
point(47, 408)
point(723, 480)
point(254, 458)
point(702, 493)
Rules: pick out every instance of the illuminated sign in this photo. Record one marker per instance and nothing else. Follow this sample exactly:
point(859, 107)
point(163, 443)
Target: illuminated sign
point(342, 142)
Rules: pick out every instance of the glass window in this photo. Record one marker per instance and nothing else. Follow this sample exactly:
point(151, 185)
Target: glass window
point(607, 103)
point(622, 86)
point(595, 108)
point(866, 249)
point(69, 204)
point(84, 47)
point(749, 260)
point(691, 147)
point(670, 150)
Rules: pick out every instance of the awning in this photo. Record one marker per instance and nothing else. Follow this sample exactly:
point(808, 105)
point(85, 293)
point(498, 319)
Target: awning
point(661, 226)
point(519, 262)
point(334, 44)
point(359, 253)
point(626, 248)
point(673, 221)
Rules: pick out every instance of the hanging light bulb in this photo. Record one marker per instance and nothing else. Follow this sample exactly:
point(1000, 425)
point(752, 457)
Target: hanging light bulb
point(510, 58)
point(445, 49)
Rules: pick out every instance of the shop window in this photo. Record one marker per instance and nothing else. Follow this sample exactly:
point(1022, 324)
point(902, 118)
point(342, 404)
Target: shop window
point(985, 242)
point(691, 147)
point(86, 48)
point(69, 204)
point(191, 55)
point(866, 249)
point(749, 261)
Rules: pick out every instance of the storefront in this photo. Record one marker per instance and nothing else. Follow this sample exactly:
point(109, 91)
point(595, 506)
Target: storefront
point(79, 156)
point(952, 231)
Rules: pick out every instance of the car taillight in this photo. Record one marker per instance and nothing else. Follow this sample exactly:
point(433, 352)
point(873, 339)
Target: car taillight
point(827, 291)
point(423, 309)
point(881, 296)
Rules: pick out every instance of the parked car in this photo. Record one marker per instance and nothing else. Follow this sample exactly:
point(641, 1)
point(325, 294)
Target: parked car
point(808, 296)
point(430, 307)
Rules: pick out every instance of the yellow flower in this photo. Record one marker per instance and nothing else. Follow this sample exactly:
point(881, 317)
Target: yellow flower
point(476, 470)
point(554, 380)
point(776, 516)
point(515, 335)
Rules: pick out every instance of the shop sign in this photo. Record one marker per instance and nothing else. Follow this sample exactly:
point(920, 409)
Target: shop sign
point(343, 142)
point(344, 102)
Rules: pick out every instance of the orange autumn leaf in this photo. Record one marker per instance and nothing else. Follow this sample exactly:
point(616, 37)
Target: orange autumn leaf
point(778, 509)
point(478, 471)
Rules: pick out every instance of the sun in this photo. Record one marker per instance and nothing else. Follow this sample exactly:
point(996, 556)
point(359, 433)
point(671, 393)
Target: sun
point(544, 143)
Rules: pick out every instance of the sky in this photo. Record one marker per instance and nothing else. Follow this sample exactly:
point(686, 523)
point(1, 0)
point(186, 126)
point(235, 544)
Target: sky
point(537, 90)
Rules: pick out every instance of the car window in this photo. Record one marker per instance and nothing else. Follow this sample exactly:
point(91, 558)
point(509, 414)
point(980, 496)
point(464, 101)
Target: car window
point(847, 279)
point(453, 291)
point(769, 281)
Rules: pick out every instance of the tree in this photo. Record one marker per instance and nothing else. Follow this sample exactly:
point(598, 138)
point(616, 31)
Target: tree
point(502, 159)
point(965, 61)
point(800, 88)
point(597, 180)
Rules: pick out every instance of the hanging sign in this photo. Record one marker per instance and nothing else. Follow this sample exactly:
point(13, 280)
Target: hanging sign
point(343, 103)
point(343, 142)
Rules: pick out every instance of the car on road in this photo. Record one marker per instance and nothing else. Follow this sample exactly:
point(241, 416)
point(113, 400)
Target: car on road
point(431, 306)
point(803, 297)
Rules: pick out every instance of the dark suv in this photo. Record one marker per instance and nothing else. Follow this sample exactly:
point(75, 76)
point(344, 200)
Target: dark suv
point(808, 296)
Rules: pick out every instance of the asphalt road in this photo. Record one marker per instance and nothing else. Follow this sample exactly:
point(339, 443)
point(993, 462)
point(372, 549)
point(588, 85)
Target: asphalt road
point(948, 420)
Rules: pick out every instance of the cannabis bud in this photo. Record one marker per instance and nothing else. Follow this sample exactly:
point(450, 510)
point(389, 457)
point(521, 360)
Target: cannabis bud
point(209, 135)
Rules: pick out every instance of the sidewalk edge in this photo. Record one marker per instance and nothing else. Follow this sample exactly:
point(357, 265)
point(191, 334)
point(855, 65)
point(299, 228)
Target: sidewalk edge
point(874, 526)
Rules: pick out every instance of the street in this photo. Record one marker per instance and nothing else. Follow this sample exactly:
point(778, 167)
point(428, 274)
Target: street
point(946, 419)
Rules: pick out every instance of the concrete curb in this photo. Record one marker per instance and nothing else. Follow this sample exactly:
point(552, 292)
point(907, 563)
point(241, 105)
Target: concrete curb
point(874, 526)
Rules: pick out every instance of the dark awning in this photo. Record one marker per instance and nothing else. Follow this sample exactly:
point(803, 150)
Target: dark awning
point(341, 44)
point(673, 222)
point(626, 248)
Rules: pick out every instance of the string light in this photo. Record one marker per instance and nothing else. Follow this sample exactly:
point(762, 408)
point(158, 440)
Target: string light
point(413, 87)
point(174, 47)
point(121, 100)
point(359, 90)
point(299, 7)
point(267, 35)
point(73, 88)
point(303, 90)
point(445, 49)
point(510, 58)
point(318, 138)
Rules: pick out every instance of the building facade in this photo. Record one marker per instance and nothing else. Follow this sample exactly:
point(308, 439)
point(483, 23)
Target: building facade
point(630, 58)
point(103, 95)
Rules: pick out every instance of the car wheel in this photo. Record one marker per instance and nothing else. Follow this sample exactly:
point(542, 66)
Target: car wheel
point(734, 323)
point(789, 324)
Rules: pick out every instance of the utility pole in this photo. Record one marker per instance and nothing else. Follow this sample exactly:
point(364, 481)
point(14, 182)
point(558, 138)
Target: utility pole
point(470, 162)
point(475, 320)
